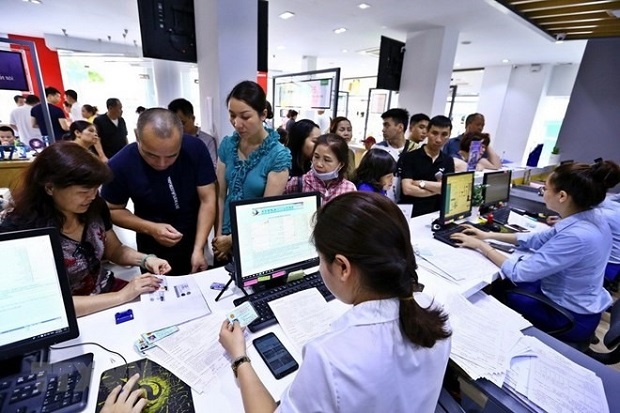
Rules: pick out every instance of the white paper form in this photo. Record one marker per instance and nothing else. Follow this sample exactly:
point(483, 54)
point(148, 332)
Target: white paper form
point(180, 302)
point(305, 315)
point(502, 314)
point(194, 353)
point(558, 385)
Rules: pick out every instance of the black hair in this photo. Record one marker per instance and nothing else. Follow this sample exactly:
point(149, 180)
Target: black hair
point(16, 98)
point(162, 121)
point(339, 147)
point(181, 105)
point(112, 103)
point(291, 113)
point(333, 126)
point(251, 93)
point(90, 108)
point(283, 136)
point(375, 164)
point(472, 117)
point(470, 137)
point(418, 117)
point(62, 164)
point(51, 91)
point(296, 137)
point(78, 126)
point(4, 128)
point(440, 121)
point(71, 93)
point(140, 109)
point(353, 225)
point(586, 184)
point(269, 110)
point(32, 100)
point(399, 115)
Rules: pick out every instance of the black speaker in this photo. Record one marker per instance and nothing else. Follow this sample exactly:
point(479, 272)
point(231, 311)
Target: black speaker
point(263, 36)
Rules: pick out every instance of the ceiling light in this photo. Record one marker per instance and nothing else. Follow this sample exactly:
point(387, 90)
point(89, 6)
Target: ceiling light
point(33, 1)
point(505, 61)
point(340, 30)
point(281, 47)
point(614, 13)
point(363, 6)
point(457, 65)
point(345, 51)
point(286, 15)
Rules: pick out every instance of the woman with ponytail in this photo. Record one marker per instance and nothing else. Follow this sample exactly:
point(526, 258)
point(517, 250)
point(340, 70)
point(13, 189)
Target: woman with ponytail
point(569, 261)
point(390, 350)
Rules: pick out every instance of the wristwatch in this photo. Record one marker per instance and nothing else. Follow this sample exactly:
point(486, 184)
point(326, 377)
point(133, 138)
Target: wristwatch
point(237, 362)
point(422, 184)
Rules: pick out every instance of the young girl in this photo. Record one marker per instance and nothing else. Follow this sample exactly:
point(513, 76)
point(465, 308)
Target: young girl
point(329, 163)
point(376, 172)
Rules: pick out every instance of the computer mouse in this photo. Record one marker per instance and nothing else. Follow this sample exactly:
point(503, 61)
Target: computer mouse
point(494, 227)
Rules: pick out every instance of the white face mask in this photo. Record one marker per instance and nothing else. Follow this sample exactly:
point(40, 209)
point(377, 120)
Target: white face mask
point(326, 176)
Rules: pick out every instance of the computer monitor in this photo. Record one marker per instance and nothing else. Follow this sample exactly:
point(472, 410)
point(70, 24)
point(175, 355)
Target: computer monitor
point(496, 188)
point(272, 238)
point(457, 191)
point(35, 297)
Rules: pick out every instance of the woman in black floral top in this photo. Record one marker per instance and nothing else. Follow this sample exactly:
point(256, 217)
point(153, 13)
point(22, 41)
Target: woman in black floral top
point(59, 189)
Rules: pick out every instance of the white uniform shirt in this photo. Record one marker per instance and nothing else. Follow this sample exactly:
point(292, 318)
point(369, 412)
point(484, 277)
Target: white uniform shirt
point(365, 364)
point(76, 112)
point(21, 118)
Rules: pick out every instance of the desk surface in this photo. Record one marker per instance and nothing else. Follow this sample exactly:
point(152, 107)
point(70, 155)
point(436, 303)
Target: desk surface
point(224, 396)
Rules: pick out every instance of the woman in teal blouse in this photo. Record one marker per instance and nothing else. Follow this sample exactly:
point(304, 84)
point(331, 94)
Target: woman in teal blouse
point(252, 162)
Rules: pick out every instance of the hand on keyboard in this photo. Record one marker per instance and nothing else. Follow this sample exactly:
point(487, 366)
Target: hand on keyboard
point(470, 237)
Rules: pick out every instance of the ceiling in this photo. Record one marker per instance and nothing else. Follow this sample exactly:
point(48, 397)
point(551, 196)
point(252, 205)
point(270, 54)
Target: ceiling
point(489, 34)
point(570, 19)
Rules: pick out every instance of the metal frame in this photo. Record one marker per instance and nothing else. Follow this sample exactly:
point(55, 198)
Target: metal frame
point(37, 72)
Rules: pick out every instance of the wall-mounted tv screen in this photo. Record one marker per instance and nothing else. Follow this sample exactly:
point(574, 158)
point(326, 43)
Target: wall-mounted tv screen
point(13, 72)
point(391, 55)
point(167, 29)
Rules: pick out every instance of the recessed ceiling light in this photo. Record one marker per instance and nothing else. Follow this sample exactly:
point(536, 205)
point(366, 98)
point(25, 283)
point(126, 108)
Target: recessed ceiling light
point(363, 6)
point(345, 51)
point(457, 65)
point(286, 15)
point(281, 47)
point(340, 30)
point(505, 61)
point(33, 1)
point(614, 13)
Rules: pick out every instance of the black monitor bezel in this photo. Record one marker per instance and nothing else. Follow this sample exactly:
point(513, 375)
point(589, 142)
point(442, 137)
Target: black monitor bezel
point(443, 220)
point(485, 184)
point(30, 345)
point(237, 276)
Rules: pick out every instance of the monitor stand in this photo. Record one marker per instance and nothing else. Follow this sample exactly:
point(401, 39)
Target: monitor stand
point(230, 267)
point(24, 363)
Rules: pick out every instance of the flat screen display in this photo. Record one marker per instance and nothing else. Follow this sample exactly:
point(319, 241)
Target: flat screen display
point(271, 236)
point(496, 187)
point(457, 196)
point(35, 298)
point(13, 72)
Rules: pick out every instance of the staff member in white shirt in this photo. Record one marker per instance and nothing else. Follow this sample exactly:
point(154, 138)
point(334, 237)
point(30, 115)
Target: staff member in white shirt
point(387, 353)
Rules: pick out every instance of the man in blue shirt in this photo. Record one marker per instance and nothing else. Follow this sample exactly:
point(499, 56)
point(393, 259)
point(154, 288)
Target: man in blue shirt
point(171, 181)
point(60, 124)
point(474, 123)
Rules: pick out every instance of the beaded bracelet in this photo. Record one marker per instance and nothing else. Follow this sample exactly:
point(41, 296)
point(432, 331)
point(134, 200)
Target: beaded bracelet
point(146, 257)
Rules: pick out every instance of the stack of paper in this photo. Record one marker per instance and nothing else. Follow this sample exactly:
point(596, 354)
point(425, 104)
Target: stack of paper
point(546, 381)
point(481, 345)
point(501, 314)
point(304, 316)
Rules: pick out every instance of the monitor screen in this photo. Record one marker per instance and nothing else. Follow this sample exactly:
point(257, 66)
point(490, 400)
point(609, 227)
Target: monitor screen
point(271, 237)
point(457, 192)
point(391, 55)
point(35, 297)
point(13, 72)
point(496, 187)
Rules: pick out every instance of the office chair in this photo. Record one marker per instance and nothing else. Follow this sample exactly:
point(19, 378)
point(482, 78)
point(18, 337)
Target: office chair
point(611, 339)
point(570, 320)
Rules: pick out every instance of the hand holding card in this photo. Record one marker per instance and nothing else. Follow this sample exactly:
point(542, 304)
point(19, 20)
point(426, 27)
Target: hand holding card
point(244, 314)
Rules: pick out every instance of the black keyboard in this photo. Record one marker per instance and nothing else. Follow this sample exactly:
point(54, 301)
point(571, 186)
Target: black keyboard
point(260, 300)
point(444, 234)
point(58, 387)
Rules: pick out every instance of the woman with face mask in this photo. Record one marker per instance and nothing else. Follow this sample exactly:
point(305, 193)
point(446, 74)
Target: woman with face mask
point(327, 173)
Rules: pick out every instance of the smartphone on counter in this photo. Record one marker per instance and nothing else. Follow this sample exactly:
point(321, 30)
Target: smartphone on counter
point(275, 355)
point(502, 247)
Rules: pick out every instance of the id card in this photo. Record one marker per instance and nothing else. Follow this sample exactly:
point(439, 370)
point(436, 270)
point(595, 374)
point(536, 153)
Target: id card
point(154, 336)
point(244, 314)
